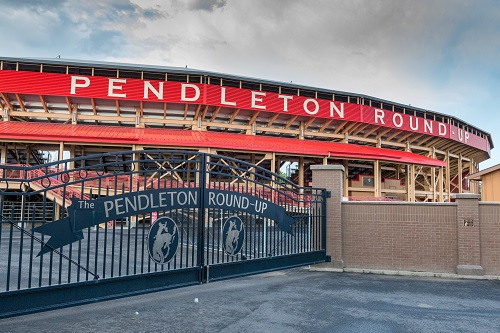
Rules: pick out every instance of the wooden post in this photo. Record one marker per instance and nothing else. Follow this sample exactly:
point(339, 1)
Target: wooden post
point(377, 179)
point(440, 180)
point(301, 171)
point(448, 192)
point(459, 174)
point(345, 184)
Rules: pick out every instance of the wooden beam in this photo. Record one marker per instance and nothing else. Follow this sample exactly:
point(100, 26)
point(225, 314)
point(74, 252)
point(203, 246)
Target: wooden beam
point(94, 109)
point(325, 125)
point(370, 132)
point(272, 119)
point(21, 103)
point(215, 113)
point(7, 101)
point(340, 127)
point(308, 123)
point(233, 116)
point(254, 117)
point(290, 122)
point(45, 108)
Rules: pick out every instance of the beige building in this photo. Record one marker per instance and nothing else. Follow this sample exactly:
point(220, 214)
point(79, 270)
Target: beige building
point(490, 179)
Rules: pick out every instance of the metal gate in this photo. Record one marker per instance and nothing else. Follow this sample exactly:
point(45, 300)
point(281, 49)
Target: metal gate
point(118, 224)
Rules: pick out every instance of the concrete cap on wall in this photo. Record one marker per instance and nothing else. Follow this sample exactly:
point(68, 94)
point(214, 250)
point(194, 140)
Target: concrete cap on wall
point(466, 196)
point(327, 167)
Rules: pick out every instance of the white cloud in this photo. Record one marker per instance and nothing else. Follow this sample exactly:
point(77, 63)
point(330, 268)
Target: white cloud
point(439, 55)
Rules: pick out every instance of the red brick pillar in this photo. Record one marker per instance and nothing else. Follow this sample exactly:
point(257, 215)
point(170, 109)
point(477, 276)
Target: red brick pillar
point(331, 177)
point(469, 241)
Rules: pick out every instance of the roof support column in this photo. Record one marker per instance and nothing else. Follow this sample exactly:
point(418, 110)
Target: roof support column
point(440, 181)
point(460, 174)
point(433, 183)
point(301, 171)
point(28, 154)
point(345, 185)
point(3, 154)
point(252, 169)
point(410, 183)
point(377, 179)
point(60, 155)
point(136, 157)
point(448, 196)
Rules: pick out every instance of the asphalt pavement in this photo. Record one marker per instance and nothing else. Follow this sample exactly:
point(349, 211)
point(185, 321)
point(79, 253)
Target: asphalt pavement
point(296, 300)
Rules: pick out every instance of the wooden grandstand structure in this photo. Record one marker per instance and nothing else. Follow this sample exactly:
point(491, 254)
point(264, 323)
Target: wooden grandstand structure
point(390, 151)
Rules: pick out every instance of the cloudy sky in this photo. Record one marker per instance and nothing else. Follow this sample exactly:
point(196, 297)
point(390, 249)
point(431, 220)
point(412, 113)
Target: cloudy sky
point(438, 55)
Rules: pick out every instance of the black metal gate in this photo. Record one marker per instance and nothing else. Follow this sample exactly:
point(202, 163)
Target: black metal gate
point(118, 224)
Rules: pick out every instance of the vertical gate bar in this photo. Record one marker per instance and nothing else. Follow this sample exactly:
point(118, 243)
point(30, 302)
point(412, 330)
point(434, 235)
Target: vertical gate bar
point(186, 227)
point(96, 248)
point(88, 255)
point(19, 268)
point(113, 236)
point(323, 220)
point(44, 213)
point(309, 227)
point(201, 217)
point(129, 224)
point(32, 243)
point(143, 229)
point(105, 243)
point(135, 242)
point(79, 260)
point(51, 254)
point(183, 212)
point(120, 249)
point(70, 254)
point(213, 237)
point(194, 235)
point(9, 257)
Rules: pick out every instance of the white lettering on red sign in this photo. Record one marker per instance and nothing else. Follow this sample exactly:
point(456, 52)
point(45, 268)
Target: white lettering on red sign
point(113, 87)
point(78, 82)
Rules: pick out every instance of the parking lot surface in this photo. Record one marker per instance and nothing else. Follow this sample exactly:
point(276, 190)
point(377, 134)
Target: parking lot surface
point(296, 300)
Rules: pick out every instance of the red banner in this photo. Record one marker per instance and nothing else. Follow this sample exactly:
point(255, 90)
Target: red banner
point(191, 93)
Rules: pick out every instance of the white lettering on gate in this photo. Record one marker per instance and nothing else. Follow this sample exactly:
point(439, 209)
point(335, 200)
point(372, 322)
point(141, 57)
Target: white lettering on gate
point(75, 83)
point(108, 206)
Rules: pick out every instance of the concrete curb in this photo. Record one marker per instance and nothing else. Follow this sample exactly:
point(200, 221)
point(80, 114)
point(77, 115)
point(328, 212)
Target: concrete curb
point(403, 273)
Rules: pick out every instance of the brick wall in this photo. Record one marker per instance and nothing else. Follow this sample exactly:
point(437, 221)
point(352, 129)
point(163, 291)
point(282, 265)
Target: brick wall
point(461, 237)
point(489, 214)
point(400, 236)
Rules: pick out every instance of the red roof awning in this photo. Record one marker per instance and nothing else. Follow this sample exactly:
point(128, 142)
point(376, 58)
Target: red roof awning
point(203, 139)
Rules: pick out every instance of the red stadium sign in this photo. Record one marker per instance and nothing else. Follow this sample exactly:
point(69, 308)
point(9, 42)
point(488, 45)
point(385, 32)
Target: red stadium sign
point(191, 93)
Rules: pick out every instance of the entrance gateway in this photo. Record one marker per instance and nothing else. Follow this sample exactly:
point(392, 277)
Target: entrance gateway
point(121, 224)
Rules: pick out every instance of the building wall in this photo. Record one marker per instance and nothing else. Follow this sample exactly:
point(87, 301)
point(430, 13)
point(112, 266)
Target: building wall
point(489, 214)
point(395, 236)
point(462, 237)
point(490, 186)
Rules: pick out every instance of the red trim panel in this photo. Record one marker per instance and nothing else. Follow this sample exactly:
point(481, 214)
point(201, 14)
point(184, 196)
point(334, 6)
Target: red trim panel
point(179, 138)
point(48, 84)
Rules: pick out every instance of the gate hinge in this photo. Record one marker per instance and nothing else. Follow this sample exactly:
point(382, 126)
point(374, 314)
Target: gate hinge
point(328, 194)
